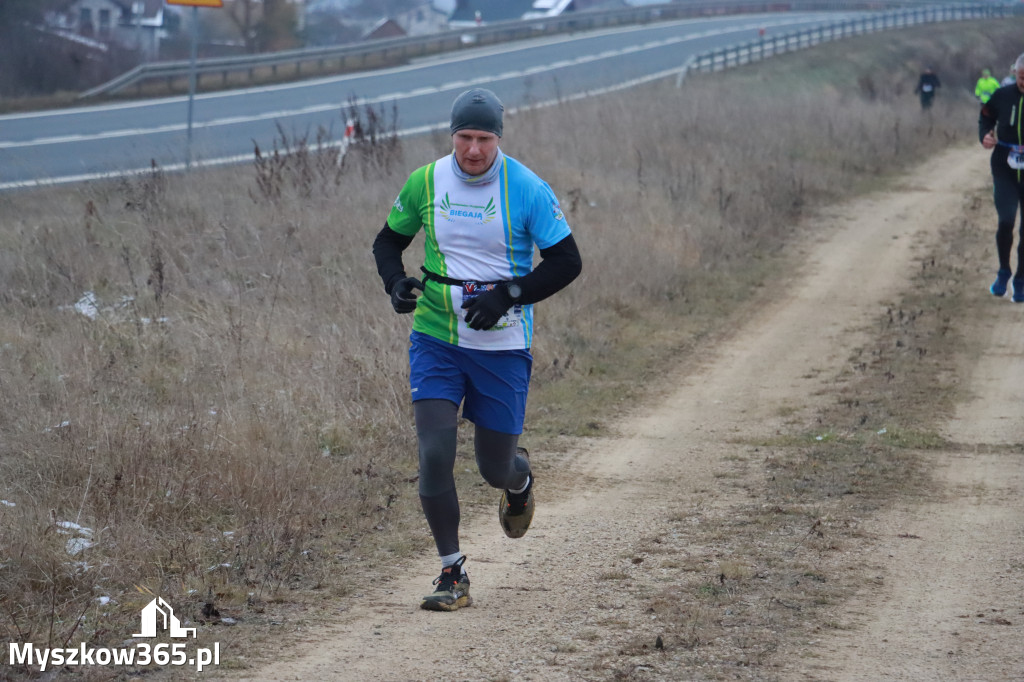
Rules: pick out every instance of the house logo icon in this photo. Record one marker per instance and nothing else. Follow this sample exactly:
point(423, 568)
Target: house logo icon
point(159, 614)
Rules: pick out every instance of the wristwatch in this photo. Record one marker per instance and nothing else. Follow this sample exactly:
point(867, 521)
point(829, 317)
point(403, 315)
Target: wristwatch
point(514, 291)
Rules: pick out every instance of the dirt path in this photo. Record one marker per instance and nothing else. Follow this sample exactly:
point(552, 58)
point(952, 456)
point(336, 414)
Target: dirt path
point(953, 606)
point(551, 606)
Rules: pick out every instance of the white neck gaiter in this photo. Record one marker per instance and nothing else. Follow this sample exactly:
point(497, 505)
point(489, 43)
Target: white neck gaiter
point(487, 177)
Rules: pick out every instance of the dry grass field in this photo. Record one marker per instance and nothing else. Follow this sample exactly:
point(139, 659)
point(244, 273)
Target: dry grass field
point(203, 389)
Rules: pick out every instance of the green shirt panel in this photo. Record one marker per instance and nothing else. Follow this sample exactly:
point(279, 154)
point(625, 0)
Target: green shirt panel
point(414, 210)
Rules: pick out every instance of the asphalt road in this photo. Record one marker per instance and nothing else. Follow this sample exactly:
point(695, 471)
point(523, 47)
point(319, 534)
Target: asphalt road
point(84, 143)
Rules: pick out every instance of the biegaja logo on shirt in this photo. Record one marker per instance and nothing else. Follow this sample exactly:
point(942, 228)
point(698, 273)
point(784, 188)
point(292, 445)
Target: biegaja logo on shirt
point(452, 211)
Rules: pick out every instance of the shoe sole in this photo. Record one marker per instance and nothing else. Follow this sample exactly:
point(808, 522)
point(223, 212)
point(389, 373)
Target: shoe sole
point(436, 605)
point(515, 527)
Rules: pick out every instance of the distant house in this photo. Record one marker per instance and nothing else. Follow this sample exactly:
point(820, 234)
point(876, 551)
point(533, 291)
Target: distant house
point(385, 28)
point(426, 18)
point(476, 12)
point(132, 24)
point(422, 18)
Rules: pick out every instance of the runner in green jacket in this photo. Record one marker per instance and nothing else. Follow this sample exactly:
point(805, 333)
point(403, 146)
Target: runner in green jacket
point(986, 86)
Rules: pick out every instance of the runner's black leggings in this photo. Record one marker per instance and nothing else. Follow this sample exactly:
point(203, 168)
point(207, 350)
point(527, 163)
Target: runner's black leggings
point(436, 428)
point(1009, 195)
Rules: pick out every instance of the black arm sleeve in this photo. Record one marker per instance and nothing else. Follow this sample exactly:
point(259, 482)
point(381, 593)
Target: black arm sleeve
point(988, 117)
point(387, 251)
point(560, 264)
point(985, 122)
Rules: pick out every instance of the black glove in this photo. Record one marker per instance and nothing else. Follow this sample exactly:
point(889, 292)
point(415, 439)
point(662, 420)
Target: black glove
point(484, 311)
point(403, 300)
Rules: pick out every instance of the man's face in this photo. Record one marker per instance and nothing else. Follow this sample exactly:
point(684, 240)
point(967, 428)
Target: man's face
point(475, 150)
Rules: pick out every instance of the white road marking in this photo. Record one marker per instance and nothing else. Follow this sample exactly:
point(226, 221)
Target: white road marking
point(241, 158)
point(418, 130)
point(319, 108)
point(420, 63)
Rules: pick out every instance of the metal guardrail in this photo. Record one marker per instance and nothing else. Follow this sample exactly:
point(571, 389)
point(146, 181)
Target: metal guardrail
point(396, 50)
point(376, 52)
point(767, 46)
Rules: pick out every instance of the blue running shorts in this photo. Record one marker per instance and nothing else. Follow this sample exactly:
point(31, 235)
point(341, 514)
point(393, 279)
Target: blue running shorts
point(494, 383)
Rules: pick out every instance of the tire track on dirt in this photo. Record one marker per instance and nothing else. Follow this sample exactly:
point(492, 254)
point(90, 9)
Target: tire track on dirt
point(952, 605)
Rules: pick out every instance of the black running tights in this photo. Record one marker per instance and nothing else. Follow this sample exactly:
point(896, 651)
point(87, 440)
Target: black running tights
point(436, 428)
point(1008, 195)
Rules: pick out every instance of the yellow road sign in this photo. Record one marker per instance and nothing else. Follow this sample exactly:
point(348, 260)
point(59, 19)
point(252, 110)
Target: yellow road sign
point(197, 3)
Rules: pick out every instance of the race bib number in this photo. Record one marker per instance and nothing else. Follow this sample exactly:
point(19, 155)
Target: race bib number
point(926, 88)
point(1016, 160)
point(514, 316)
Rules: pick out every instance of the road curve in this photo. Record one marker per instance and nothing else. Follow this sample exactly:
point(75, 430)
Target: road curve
point(85, 143)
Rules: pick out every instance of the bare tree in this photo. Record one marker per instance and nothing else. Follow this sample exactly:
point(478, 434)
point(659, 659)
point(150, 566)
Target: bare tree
point(264, 25)
point(243, 14)
point(277, 28)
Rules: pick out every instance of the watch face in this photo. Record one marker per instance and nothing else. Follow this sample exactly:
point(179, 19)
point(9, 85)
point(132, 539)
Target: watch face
point(515, 291)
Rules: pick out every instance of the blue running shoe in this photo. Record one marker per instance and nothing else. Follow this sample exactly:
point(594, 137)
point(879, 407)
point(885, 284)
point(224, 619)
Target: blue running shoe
point(1018, 290)
point(998, 287)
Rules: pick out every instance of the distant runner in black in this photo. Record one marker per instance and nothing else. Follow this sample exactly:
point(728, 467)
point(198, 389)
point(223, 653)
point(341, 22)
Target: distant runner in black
point(926, 87)
point(1001, 130)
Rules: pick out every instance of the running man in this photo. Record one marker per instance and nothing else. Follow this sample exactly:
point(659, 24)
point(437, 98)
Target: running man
point(1000, 129)
point(985, 86)
point(1011, 77)
point(481, 213)
point(927, 85)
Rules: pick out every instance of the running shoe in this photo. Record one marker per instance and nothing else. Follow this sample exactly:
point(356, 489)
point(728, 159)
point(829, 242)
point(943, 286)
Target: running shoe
point(515, 510)
point(1018, 290)
point(998, 287)
point(452, 591)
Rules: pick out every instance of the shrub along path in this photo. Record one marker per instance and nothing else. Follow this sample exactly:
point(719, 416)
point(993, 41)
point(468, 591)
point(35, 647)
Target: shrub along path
point(675, 551)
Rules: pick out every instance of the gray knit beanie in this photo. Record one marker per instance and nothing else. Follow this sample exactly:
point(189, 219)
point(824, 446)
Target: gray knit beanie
point(477, 109)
